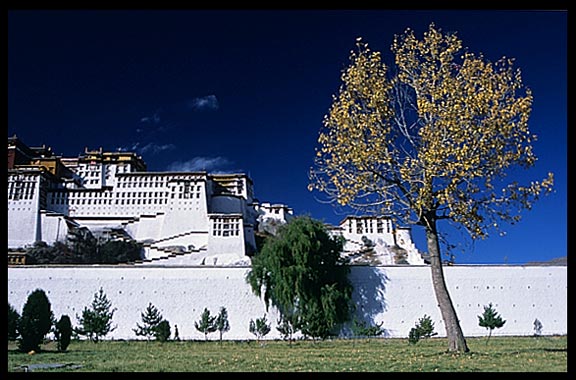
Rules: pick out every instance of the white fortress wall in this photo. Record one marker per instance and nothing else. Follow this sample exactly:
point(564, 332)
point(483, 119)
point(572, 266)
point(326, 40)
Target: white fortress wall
point(396, 296)
point(23, 205)
point(181, 294)
point(53, 227)
point(147, 227)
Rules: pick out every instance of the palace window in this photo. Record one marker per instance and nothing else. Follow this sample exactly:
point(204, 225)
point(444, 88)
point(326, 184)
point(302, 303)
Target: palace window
point(379, 227)
point(226, 227)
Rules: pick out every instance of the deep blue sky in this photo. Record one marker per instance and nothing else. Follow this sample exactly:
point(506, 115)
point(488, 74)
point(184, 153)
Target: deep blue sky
point(246, 90)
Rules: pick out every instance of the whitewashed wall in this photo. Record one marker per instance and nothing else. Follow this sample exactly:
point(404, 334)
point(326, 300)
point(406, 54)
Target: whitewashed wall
point(396, 296)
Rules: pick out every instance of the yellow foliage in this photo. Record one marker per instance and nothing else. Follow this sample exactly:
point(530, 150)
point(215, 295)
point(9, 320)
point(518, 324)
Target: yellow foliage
point(433, 138)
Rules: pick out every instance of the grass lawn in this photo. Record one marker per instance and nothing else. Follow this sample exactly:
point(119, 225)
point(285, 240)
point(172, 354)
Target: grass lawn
point(506, 354)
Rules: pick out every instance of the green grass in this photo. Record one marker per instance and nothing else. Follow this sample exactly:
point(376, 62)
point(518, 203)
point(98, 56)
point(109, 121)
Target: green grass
point(504, 354)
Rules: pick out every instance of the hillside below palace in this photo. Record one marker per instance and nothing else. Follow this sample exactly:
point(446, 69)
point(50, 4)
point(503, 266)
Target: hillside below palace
point(180, 218)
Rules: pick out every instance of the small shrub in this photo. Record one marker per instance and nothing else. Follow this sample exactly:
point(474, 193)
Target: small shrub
point(286, 329)
point(222, 324)
point(260, 327)
point(151, 318)
point(361, 328)
point(206, 324)
point(490, 319)
point(413, 335)
point(63, 333)
point(424, 329)
point(13, 320)
point(162, 331)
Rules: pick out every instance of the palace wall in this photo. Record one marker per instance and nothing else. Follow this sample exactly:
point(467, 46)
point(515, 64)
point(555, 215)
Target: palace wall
point(396, 295)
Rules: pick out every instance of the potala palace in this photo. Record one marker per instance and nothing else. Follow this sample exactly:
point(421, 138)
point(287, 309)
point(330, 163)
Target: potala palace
point(181, 218)
point(199, 232)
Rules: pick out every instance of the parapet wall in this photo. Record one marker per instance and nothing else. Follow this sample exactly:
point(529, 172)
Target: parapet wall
point(396, 295)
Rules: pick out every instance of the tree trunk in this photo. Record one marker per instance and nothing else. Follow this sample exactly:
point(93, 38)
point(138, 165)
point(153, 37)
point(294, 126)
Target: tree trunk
point(456, 340)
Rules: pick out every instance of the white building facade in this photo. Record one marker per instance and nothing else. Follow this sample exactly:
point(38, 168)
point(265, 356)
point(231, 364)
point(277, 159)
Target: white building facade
point(374, 240)
point(181, 218)
point(187, 217)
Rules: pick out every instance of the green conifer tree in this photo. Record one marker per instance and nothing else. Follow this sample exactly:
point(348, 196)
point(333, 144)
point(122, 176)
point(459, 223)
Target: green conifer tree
point(490, 320)
point(206, 324)
point(222, 324)
point(96, 321)
point(260, 327)
point(36, 321)
point(151, 318)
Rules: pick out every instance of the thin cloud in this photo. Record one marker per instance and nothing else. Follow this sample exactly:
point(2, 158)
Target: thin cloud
point(153, 148)
point(126, 148)
point(154, 119)
point(150, 148)
point(208, 103)
point(208, 164)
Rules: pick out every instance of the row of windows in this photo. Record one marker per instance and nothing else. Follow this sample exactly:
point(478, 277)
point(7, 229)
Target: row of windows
point(107, 194)
point(21, 185)
point(20, 194)
point(145, 184)
point(126, 210)
point(110, 201)
point(366, 226)
point(60, 196)
point(225, 227)
point(89, 174)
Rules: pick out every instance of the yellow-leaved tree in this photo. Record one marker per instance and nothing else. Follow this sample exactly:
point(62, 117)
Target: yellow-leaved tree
point(431, 140)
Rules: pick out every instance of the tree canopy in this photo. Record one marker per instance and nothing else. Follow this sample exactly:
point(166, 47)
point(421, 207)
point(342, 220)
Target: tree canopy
point(300, 271)
point(432, 138)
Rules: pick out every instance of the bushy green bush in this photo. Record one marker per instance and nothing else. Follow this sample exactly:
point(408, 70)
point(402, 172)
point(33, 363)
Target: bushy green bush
point(13, 320)
point(35, 322)
point(162, 331)
point(424, 329)
point(362, 329)
point(286, 329)
point(63, 332)
point(260, 327)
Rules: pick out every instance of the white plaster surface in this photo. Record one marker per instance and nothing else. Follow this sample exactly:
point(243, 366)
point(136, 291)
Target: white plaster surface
point(397, 296)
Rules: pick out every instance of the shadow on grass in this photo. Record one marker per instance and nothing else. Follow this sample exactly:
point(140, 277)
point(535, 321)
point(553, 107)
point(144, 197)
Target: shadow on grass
point(492, 353)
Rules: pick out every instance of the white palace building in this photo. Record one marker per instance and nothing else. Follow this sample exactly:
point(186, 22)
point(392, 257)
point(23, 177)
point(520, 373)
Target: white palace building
point(181, 218)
